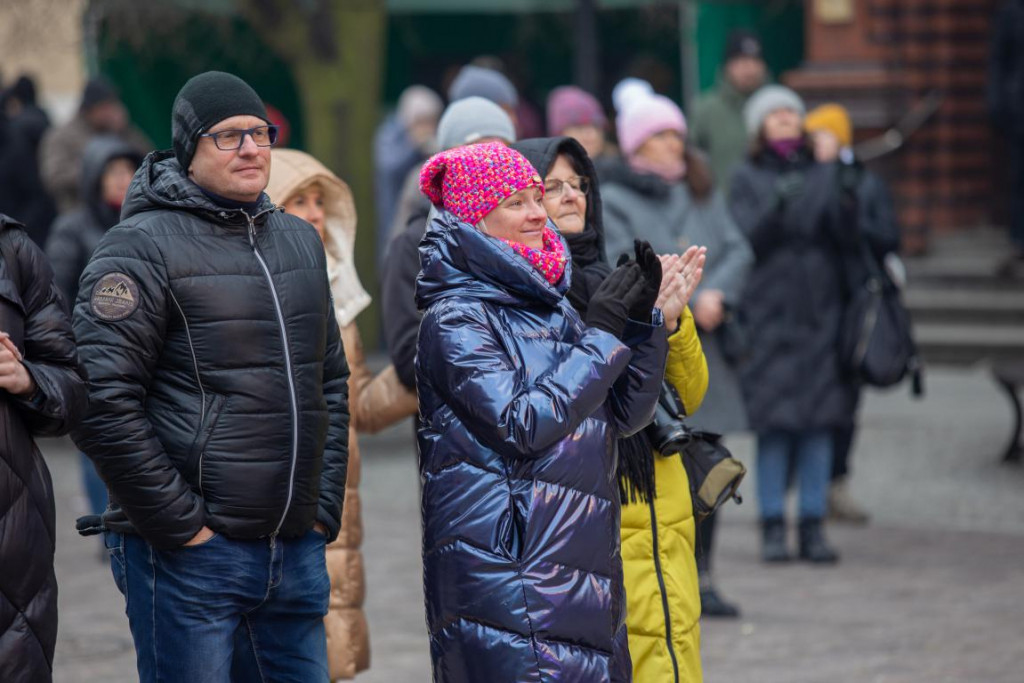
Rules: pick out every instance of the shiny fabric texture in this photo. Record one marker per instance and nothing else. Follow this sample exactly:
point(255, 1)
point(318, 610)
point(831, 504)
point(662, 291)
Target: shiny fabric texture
point(658, 540)
point(190, 420)
point(33, 313)
point(520, 406)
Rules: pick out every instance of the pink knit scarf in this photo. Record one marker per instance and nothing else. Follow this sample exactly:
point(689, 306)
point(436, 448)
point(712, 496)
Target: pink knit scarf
point(549, 260)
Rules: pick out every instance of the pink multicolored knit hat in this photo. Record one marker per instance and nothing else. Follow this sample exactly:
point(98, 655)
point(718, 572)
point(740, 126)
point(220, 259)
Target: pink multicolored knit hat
point(471, 181)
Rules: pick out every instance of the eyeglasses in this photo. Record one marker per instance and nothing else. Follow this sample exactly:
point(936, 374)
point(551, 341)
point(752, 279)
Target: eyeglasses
point(554, 188)
point(233, 139)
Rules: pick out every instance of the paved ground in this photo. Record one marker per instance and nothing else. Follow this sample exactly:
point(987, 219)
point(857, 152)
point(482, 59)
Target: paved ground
point(932, 591)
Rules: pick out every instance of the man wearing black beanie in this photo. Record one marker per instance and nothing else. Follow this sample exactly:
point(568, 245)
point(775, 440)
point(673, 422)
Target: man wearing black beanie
point(218, 404)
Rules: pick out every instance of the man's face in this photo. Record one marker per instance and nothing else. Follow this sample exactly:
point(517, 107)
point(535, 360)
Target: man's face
point(745, 73)
point(239, 174)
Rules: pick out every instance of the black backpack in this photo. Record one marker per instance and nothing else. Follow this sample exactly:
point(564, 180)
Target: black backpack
point(876, 340)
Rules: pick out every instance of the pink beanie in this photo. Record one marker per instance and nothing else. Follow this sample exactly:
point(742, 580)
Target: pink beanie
point(572, 106)
point(471, 181)
point(646, 117)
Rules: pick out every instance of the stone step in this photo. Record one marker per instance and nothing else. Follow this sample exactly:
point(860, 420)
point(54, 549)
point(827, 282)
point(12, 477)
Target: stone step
point(969, 270)
point(937, 304)
point(968, 344)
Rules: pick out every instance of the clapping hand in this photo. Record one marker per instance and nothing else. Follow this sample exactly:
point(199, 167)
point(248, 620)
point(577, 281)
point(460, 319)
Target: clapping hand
point(13, 375)
point(682, 275)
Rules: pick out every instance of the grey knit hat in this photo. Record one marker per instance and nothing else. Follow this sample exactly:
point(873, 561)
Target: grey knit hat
point(477, 81)
point(766, 100)
point(203, 102)
point(472, 119)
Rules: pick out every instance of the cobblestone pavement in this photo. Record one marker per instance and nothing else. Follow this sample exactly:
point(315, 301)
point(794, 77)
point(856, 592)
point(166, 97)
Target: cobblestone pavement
point(932, 590)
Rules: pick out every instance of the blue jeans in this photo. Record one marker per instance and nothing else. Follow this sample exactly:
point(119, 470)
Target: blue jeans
point(225, 610)
point(812, 451)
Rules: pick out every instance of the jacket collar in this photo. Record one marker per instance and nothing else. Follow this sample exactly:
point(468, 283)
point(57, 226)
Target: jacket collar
point(459, 260)
point(160, 183)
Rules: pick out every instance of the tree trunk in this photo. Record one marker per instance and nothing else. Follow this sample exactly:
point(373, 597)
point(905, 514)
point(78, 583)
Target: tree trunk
point(335, 50)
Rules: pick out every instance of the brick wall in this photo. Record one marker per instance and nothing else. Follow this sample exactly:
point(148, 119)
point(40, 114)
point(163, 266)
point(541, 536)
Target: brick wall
point(897, 51)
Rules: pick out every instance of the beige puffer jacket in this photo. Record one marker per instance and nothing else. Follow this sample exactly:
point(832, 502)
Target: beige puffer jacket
point(375, 402)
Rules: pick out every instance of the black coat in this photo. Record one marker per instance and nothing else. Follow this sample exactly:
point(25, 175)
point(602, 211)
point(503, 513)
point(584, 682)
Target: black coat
point(32, 312)
point(22, 195)
point(1006, 67)
point(218, 381)
point(795, 295)
point(401, 317)
point(75, 234)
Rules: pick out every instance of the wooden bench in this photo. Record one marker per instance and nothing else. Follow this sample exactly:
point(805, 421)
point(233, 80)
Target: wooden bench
point(1010, 376)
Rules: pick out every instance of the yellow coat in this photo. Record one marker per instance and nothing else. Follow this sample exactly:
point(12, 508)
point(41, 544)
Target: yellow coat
point(658, 536)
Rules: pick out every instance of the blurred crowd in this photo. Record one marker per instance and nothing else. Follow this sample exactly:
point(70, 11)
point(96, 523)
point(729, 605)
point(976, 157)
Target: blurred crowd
point(738, 227)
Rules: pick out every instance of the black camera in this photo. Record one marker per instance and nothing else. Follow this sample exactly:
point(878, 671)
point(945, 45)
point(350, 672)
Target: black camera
point(667, 432)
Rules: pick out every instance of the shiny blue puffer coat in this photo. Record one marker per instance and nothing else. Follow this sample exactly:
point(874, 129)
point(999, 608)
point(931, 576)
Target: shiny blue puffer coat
point(520, 407)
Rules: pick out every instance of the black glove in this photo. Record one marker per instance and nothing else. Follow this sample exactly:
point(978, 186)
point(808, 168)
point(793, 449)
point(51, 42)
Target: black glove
point(650, 266)
point(788, 187)
point(609, 306)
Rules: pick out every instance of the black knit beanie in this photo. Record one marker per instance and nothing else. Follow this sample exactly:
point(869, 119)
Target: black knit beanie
point(204, 101)
point(742, 43)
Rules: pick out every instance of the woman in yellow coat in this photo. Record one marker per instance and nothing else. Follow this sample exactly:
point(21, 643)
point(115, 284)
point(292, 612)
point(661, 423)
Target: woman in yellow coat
point(306, 188)
point(658, 537)
point(660, 572)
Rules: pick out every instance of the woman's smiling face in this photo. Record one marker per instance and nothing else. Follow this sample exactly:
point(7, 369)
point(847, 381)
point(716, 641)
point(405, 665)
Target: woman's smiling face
point(520, 217)
point(565, 204)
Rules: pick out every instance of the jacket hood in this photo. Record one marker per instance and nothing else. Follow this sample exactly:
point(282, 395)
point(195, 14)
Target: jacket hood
point(459, 260)
point(291, 171)
point(100, 151)
point(542, 153)
point(160, 183)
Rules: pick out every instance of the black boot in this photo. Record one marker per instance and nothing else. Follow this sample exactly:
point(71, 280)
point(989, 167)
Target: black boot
point(813, 546)
point(714, 605)
point(773, 540)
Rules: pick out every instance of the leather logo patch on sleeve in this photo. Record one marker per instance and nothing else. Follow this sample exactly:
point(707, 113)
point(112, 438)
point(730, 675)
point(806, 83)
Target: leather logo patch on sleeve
point(114, 297)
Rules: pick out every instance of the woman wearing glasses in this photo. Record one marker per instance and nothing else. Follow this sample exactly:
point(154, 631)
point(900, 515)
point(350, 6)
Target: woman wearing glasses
point(657, 531)
point(664, 193)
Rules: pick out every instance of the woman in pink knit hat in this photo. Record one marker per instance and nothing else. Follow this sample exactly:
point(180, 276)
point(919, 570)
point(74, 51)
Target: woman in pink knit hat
point(520, 405)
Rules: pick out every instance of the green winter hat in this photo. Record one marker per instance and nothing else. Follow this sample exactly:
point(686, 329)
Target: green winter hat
point(203, 102)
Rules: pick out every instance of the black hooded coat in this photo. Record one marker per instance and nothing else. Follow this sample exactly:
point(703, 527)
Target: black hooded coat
point(75, 234)
point(33, 314)
point(635, 463)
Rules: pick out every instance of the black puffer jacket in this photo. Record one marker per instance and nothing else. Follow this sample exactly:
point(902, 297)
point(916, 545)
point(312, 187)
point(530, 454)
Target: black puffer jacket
point(32, 313)
point(795, 295)
point(75, 234)
point(218, 382)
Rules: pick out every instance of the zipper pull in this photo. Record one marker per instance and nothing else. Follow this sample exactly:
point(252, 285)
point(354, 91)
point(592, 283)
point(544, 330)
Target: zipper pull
point(273, 541)
point(252, 230)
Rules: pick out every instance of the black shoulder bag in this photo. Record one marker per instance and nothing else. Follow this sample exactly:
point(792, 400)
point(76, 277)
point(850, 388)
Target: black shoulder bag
point(714, 474)
point(876, 340)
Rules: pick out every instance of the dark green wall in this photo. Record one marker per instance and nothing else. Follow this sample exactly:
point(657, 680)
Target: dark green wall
point(780, 24)
point(150, 65)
